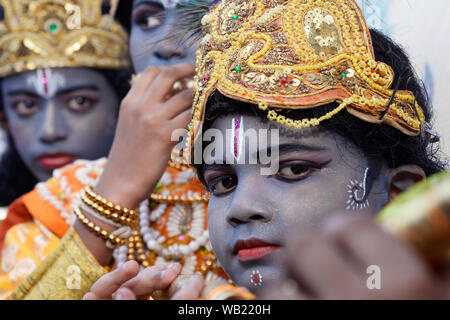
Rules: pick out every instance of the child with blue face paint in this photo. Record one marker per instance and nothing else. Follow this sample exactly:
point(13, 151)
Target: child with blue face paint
point(151, 43)
point(149, 94)
point(57, 107)
point(322, 170)
point(347, 141)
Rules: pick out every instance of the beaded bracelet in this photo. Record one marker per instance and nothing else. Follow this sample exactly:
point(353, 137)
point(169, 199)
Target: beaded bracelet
point(185, 199)
point(116, 241)
point(107, 213)
point(136, 249)
point(107, 205)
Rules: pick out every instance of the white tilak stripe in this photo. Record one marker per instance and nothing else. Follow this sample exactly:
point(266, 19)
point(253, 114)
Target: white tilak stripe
point(233, 132)
point(241, 137)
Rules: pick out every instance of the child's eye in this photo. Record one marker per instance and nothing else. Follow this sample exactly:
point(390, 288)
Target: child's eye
point(148, 17)
point(295, 171)
point(26, 107)
point(222, 185)
point(80, 103)
point(152, 22)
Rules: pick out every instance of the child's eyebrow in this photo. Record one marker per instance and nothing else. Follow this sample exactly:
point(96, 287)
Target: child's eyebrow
point(149, 2)
point(291, 147)
point(22, 92)
point(77, 88)
point(60, 92)
point(212, 166)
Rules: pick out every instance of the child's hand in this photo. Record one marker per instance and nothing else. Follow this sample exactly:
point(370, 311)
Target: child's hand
point(142, 143)
point(333, 262)
point(128, 283)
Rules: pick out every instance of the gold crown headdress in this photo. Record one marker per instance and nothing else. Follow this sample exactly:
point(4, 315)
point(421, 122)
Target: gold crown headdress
point(298, 54)
point(60, 33)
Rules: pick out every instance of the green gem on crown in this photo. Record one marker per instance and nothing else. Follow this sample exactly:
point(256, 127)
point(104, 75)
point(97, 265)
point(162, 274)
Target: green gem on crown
point(53, 28)
point(153, 204)
point(159, 186)
point(235, 17)
point(238, 69)
point(343, 75)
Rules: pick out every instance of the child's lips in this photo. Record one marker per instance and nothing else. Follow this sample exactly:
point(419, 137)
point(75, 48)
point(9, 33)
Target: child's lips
point(253, 249)
point(55, 161)
point(255, 253)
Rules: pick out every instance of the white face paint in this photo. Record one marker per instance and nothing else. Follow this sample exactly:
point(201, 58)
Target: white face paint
point(170, 4)
point(47, 83)
point(358, 193)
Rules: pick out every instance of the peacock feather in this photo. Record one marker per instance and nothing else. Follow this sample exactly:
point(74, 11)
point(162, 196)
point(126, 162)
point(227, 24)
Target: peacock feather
point(189, 26)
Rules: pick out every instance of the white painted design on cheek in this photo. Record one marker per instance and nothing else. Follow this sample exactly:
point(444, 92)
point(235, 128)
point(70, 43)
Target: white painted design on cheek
point(46, 83)
point(256, 278)
point(357, 193)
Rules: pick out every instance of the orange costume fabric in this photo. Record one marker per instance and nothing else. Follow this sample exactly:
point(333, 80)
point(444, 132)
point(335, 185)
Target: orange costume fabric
point(37, 221)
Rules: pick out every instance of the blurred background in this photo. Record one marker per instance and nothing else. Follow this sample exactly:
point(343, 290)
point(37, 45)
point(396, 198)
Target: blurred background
point(2, 141)
point(422, 27)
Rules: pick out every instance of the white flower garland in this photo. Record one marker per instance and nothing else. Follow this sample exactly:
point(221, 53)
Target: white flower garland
point(45, 193)
point(82, 175)
point(154, 240)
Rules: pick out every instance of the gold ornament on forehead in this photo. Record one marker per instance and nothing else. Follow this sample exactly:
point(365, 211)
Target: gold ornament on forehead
point(60, 33)
point(298, 54)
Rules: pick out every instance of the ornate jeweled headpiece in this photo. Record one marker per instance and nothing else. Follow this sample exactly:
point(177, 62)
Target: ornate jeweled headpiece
point(298, 54)
point(60, 33)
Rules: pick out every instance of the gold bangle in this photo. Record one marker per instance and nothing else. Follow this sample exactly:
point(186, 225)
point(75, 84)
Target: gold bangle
point(107, 213)
point(100, 232)
point(228, 292)
point(109, 205)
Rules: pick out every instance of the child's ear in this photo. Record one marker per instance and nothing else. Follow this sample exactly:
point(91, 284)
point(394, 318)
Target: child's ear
point(402, 178)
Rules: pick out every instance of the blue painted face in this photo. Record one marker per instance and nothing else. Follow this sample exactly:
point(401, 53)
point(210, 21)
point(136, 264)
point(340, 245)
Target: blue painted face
point(56, 116)
point(249, 214)
point(151, 21)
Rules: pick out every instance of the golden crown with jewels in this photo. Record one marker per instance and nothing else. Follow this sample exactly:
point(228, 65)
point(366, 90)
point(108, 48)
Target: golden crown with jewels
point(60, 33)
point(298, 54)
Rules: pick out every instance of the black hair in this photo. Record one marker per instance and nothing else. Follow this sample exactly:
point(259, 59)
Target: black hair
point(15, 178)
point(123, 14)
point(375, 140)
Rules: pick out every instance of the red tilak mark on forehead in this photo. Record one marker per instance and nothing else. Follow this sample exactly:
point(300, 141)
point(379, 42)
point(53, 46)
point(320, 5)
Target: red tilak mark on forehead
point(237, 126)
point(45, 81)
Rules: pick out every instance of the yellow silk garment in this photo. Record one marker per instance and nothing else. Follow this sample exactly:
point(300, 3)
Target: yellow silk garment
point(28, 244)
point(66, 274)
